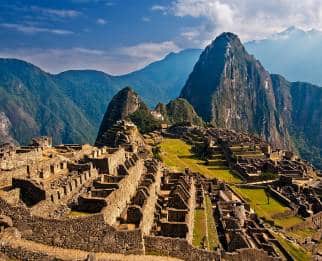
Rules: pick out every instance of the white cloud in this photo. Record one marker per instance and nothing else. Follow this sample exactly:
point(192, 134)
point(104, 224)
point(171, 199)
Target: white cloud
point(114, 61)
point(89, 51)
point(101, 21)
point(150, 51)
point(56, 12)
point(158, 8)
point(58, 60)
point(250, 19)
point(27, 29)
point(190, 35)
point(145, 19)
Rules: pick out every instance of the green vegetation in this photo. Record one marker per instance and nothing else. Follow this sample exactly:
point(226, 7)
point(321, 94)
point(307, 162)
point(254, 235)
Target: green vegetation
point(268, 176)
point(212, 230)
point(205, 232)
point(35, 105)
point(297, 252)
point(143, 119)
point(181, 111)
point(258, 200)
point(308, 150)
point(156, 151)
point(301, 233)
point(177, 154)
point(199, 230)
point(201, 150)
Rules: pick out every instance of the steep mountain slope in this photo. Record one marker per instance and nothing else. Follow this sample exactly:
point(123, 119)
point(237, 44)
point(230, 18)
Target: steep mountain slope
point(125, 105)
point(35, 105)
point(179, 111)
point(70, 106)
point(5, 128)
point(300, 105)
point(89, 90)
point(293, 53)
point(231, 89)
point(161, 81)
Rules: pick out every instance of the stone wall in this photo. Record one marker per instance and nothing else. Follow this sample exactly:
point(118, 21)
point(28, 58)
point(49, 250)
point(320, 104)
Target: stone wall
point(249, 254)
point(280, 197)
point(20, 253)
point(191, 213)
point(149, 207)
point(118, 199)
point(116, 158)
point(177, 247)
point(85, 233)
point(313, 222)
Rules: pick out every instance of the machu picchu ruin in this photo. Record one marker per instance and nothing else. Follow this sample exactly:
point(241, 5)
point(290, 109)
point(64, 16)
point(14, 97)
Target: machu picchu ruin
point(201, 156)
point(119, 198)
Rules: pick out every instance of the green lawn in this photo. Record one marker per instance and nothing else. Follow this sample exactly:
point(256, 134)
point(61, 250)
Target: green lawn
point(297, 252)
point(212, 230)
point(302, 233)
point(199, 228)
point(176, 154)
point(258, 201)
point(203, 233)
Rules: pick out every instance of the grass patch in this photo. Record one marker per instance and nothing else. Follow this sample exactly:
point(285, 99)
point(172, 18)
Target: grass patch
point(176, 154)
point(199, 229)
point(302, 233)
point(212, 230)
point(258, 201)
point(297, 252)
point(203, 235)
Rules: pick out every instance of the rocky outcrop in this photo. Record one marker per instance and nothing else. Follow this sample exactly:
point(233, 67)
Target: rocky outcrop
point(231, 89)
point(5, 126)
point(126, 105)
point(121, 106)
point(300, 107)
point(179, 111)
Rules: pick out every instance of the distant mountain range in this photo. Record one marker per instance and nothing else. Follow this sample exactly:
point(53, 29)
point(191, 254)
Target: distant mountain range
point(70, 106)
point(293, 53)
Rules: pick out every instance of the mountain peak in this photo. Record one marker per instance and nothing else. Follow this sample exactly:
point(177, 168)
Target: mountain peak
point(127, 90)
point(226, 39)
point(228, 36)
point(123, 104)
point(224, 80)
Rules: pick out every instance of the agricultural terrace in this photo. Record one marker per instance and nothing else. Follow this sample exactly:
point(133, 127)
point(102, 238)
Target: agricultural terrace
point(177, 155)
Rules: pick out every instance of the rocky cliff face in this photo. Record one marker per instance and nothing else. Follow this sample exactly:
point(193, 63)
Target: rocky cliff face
point(124, 103)
point(230, 89)
point(300, 107)
point(5, 126)
point(35, 105)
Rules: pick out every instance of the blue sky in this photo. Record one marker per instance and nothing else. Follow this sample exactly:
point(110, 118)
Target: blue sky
point(118, 36)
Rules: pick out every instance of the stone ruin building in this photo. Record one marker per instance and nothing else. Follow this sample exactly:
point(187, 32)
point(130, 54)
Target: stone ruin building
point(112, 200)
point(247, 155)
point(118, 199)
